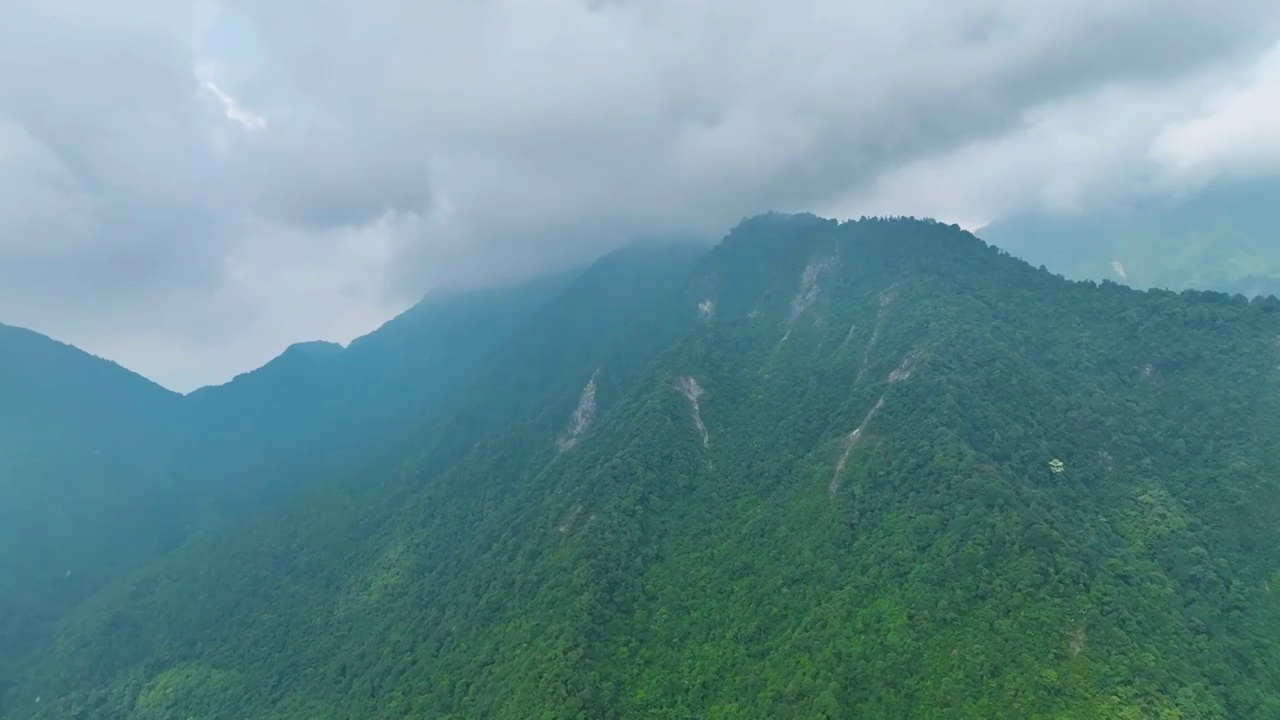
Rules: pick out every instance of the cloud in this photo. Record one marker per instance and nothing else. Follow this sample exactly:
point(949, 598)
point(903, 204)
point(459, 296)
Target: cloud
point(333, 279)
point(1101, 147)
point(1064, 156)
point(183, 181)
point(1233, 134)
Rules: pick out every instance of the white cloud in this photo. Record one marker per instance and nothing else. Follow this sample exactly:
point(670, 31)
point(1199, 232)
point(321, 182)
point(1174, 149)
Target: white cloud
point(185, 186)
point(1104, 146)
point(334, 290)
point(235, 112)
point(1234, 133)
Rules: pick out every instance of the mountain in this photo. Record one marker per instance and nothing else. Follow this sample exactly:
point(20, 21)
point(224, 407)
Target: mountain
point(83, 445)
point(1222, 238)
point(103, 472)
point(865, 469)
point(319, 406)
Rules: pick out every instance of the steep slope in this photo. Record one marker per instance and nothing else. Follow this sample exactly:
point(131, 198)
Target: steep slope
point(578, 320)
point(83, 443)
point(319, 409)
point(1222, 238)
point(876, 469)
point(103, 471)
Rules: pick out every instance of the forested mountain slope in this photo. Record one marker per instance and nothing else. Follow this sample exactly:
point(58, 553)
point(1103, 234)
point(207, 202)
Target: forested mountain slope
point(320, 409)
point(83, 443)
point(872, 469)
point(103, 471)
point(1223, 238)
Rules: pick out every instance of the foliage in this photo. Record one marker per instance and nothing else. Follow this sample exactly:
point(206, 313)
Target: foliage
point(941, 571)
point(103, 472)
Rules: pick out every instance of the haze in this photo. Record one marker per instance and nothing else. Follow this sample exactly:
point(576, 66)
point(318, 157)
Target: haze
point(187, 187)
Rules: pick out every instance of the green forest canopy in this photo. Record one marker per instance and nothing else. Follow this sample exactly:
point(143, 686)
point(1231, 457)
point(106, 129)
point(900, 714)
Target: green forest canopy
point(812, 479)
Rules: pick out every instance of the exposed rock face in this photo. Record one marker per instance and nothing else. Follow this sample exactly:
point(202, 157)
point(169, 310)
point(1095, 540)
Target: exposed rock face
point(583, 416)
point(689, 387)
point(906, 367)
point(808, 292)
point(850, 443)
point(887, 299)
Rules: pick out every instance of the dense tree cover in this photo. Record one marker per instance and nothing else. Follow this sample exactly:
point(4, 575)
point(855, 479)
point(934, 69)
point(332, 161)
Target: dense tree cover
point(102, 471)
point(1220, 238)
point(82, 447)
point(871, 525)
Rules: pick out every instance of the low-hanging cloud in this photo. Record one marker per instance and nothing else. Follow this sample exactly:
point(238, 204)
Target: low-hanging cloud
point(187, 186)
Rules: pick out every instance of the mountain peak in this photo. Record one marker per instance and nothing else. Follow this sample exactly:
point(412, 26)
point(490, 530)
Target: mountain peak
point(849, 447)
point(315, 349)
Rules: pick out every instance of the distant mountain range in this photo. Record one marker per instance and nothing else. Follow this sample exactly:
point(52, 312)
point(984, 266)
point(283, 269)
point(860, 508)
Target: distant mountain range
point(1224, 238)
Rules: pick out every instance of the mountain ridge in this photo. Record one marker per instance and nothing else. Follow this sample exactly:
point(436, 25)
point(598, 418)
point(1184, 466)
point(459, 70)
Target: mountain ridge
point(811, 478)
point(222, 451)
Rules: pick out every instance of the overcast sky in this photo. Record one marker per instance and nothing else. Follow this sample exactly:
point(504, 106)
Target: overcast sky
point(187, 187)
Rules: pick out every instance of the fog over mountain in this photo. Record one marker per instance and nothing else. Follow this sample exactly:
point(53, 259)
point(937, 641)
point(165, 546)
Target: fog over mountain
point(1221, 238)
point(189, 187)
point(821, 470)
point(611, 359)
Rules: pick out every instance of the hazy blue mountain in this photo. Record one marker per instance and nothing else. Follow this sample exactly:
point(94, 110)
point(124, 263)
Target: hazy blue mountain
point(84, 454)
point(319, 407)
point(102, 471)
point(1224, 239)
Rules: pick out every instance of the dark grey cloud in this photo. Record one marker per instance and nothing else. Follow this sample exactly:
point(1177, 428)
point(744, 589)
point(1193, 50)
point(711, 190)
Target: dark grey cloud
point(190, 186)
